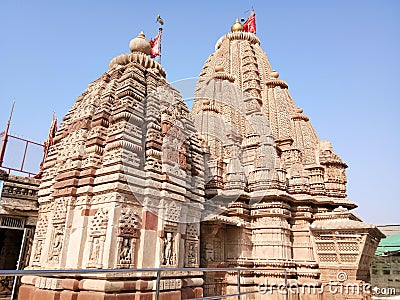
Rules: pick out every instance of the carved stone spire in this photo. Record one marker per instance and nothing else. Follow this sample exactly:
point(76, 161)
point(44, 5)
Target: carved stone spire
point(290, 176)
point(122, 181)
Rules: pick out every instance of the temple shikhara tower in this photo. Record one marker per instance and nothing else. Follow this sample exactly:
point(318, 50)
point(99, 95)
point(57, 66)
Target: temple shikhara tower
point(137, 179)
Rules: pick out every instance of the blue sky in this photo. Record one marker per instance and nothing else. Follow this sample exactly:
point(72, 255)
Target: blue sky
point(340, 59)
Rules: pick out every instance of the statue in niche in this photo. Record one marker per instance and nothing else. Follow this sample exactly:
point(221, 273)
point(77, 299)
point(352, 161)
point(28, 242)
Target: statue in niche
point(38, 251)
point(57, 245)
point(191, 253)
point(94, 256)
point(57, 242)
point(168, 257)
point(182, 159)
point(125, 252)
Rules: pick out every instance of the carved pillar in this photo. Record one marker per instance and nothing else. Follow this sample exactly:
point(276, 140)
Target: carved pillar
point(316, 175)
point(302, 248)
point(214, 174)
point(335, 179)
point(234, 178)
point(212, 251)
point(271, 232)
point(303, 252)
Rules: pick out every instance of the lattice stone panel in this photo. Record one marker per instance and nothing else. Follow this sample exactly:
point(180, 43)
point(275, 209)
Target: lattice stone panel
point(348, 258)
point(328, 258)
point(348, 246)
point(12, 222)
point(325, 247)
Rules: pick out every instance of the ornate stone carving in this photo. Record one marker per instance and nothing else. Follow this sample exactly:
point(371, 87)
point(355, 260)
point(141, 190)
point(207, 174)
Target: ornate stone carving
point(191, 249)
point(168, 255)
point(57, 244)
point(126, 252)
point(97, 237)
point(57, 235)
point(173, 212)
point(128, 234)
point(192, 231)
point(192, 245)
point(40, 236)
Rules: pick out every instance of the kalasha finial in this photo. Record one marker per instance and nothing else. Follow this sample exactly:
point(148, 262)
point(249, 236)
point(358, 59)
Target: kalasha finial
point(140, 44)
point(237, 26)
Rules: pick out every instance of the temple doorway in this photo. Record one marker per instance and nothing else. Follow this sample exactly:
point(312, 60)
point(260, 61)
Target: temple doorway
point(14, 247)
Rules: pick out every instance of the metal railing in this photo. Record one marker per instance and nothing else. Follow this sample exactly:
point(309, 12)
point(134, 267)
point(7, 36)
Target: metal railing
point(159, 274)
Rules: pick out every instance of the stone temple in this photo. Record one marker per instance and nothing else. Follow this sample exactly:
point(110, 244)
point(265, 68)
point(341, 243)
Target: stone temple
point(136, 179)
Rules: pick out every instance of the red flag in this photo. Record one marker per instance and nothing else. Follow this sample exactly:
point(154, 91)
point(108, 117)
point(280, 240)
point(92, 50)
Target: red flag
point(156, 45)
point(250, 24)
point(49, 142)
point(52, 131)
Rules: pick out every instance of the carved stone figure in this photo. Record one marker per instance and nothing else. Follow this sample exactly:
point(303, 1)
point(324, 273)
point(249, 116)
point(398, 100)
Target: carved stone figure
point(57, 242)
point(56, 248)
point(96, 250)
point(125, 255)
point(168, 253)
point(37, 252)
point(191, 253)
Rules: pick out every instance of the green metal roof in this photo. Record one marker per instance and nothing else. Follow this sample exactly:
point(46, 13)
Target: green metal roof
point(390, 243)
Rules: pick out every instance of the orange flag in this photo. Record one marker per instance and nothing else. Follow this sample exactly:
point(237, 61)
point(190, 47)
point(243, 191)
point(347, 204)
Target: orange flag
point(250, 24)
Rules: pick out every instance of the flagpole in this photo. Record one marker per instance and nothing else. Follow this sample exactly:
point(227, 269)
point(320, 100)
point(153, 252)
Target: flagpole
point(5, 137)
point(159, 46)
point(160, 29)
